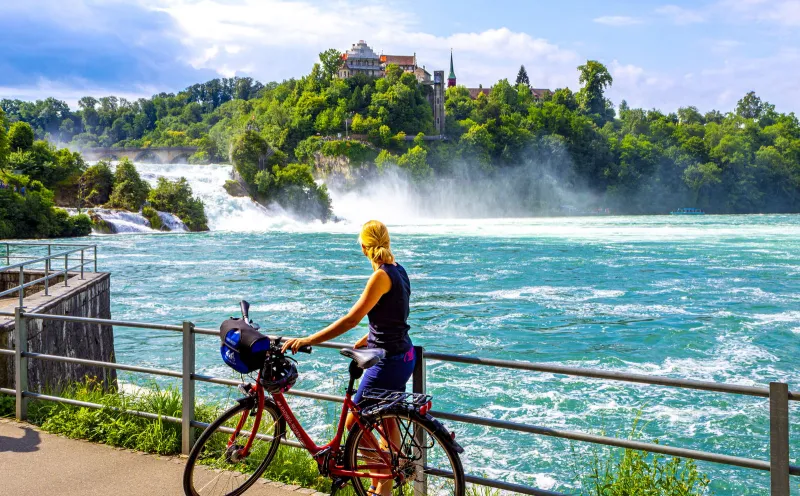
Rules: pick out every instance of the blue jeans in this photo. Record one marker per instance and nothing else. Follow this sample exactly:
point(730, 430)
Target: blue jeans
point(390, 373)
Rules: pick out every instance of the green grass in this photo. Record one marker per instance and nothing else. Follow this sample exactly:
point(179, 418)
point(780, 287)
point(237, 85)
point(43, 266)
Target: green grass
point(629, 472)
point(616, 473)
point(108, 426)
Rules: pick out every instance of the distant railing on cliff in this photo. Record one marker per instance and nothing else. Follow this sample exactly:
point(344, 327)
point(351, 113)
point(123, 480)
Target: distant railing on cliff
point(55, 252)
point(777, 393)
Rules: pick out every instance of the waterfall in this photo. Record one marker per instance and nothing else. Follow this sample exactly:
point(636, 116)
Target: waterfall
point(172, 222)
point(224, 212)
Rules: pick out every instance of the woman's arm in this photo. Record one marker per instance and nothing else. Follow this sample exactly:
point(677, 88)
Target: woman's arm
point(378, 285)
point(361, 342)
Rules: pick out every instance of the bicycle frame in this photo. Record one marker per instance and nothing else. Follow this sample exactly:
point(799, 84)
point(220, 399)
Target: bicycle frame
point(333, 447)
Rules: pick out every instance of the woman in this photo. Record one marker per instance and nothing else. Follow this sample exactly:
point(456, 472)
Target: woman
point(385, 302)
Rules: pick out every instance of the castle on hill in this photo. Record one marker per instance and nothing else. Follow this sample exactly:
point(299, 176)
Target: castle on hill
point(362, 59)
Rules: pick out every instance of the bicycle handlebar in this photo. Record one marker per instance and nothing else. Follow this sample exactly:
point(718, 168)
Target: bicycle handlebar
point(245, 310)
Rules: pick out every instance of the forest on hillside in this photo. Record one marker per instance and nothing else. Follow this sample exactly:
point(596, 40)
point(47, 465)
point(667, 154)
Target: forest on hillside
point(631, 160)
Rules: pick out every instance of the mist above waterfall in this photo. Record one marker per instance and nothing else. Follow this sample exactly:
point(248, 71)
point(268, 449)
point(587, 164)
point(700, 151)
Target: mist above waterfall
point(533, 189)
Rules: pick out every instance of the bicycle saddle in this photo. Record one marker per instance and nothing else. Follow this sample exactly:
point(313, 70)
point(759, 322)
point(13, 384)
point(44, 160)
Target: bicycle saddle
point(364, 357)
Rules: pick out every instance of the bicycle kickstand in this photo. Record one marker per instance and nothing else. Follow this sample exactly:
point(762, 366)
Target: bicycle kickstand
point(338, 483)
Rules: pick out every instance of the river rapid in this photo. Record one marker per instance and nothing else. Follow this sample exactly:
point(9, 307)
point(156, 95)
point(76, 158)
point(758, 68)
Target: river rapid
point(712, 298)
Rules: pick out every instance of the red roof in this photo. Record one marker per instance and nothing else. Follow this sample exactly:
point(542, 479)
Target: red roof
point(399, 59)
point(540, 92)
point(474, 92)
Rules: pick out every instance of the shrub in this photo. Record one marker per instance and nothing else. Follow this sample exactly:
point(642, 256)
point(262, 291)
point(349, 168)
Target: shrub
point(130, 190)
point(643, 474)
point(152, 216)
point(176, 198)
point(95, 184)
point(293, 188)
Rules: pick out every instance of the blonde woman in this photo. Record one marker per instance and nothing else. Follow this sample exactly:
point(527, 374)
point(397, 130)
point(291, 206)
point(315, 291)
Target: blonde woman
point(385, 302)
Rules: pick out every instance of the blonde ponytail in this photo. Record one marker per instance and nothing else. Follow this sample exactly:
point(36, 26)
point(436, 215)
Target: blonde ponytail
point(375, 240)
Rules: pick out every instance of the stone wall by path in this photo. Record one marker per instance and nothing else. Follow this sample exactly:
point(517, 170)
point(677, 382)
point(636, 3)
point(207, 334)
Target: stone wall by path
point(83, 298)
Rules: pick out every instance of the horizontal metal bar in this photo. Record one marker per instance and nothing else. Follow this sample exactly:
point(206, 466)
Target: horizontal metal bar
point(608, 441)
point(89, 320)
point(603, 374)
point(86, 404)
point(293, 392)
point(497, 484)
point(8, 391)
point(208, 332)
point(108, 365)
point(41, 259)
point(52, 275)
point(228, 430)
point(47, 244)
point(4, 351)
point(216, 380)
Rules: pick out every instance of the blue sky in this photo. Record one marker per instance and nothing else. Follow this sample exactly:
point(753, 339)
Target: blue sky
point(668, 54)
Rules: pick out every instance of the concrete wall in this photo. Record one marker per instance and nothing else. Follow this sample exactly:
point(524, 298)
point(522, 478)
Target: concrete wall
point(88, 298)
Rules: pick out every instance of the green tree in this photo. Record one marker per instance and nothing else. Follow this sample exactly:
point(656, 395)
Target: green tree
point(20, 136)
point(249, 155)
point(130, 190)
point(522, 76)
point(4, 147)
point(595, 78)
point(750, 106)
point(331, 60)
point(95, 184)
point(176, 197)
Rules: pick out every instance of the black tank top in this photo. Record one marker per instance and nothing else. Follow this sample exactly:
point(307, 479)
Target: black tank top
point(388, 326)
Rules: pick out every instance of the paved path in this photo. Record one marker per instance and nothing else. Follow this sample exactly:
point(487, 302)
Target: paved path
point(35, 463)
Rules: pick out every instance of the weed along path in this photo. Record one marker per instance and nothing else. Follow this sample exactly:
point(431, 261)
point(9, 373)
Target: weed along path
point(33, 462)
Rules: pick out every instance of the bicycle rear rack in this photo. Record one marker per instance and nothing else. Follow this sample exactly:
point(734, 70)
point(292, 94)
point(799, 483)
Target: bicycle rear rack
point(383, 399)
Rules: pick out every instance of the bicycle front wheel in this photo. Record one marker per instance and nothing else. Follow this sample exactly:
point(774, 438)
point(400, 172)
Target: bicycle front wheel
point(423, 459)
point(216, 467)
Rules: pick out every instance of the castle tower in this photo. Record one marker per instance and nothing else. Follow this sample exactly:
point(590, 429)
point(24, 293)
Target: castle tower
point(436, 98)
point(451, 79)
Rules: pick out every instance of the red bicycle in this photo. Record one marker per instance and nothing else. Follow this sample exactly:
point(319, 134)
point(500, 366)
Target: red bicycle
point(393, 438)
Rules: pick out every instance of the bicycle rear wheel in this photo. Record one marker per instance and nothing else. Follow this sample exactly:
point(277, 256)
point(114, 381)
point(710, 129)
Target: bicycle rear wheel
point(215, 467)
point(425, 458)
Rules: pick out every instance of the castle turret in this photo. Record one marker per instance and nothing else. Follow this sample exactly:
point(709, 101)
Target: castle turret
point(451, 79)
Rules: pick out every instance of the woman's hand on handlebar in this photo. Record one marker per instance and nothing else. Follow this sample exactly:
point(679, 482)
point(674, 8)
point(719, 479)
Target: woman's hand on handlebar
point(295, 344)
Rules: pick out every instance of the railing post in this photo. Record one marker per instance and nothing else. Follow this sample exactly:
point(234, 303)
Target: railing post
point(419, 385)
point(81, 263)
point(8, 255)
point(95, 258)
point(779, 438)
point(47, 277)
point(66, 270)
point(21, 286)
point(187, 389)
point(21, 363)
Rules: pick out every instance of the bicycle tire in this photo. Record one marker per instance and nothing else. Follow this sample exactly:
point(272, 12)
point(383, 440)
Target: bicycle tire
point(270, 412)
point(431, 429)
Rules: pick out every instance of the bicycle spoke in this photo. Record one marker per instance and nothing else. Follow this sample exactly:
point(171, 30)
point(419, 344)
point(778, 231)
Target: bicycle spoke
point(221, 467)
point(417, 457)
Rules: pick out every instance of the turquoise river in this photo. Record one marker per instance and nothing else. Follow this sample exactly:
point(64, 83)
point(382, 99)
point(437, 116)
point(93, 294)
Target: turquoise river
point(714, 298)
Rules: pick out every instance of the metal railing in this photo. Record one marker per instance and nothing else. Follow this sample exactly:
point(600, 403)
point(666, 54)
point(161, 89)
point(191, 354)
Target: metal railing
point(777, 393)
point(47, 262)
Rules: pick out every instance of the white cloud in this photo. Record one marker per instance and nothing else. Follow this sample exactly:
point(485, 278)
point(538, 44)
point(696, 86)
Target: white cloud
point(71, 91)
point(681, 16)
point(781, 12)
point(617, 20)
point(724, 46)
point(272, 37)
